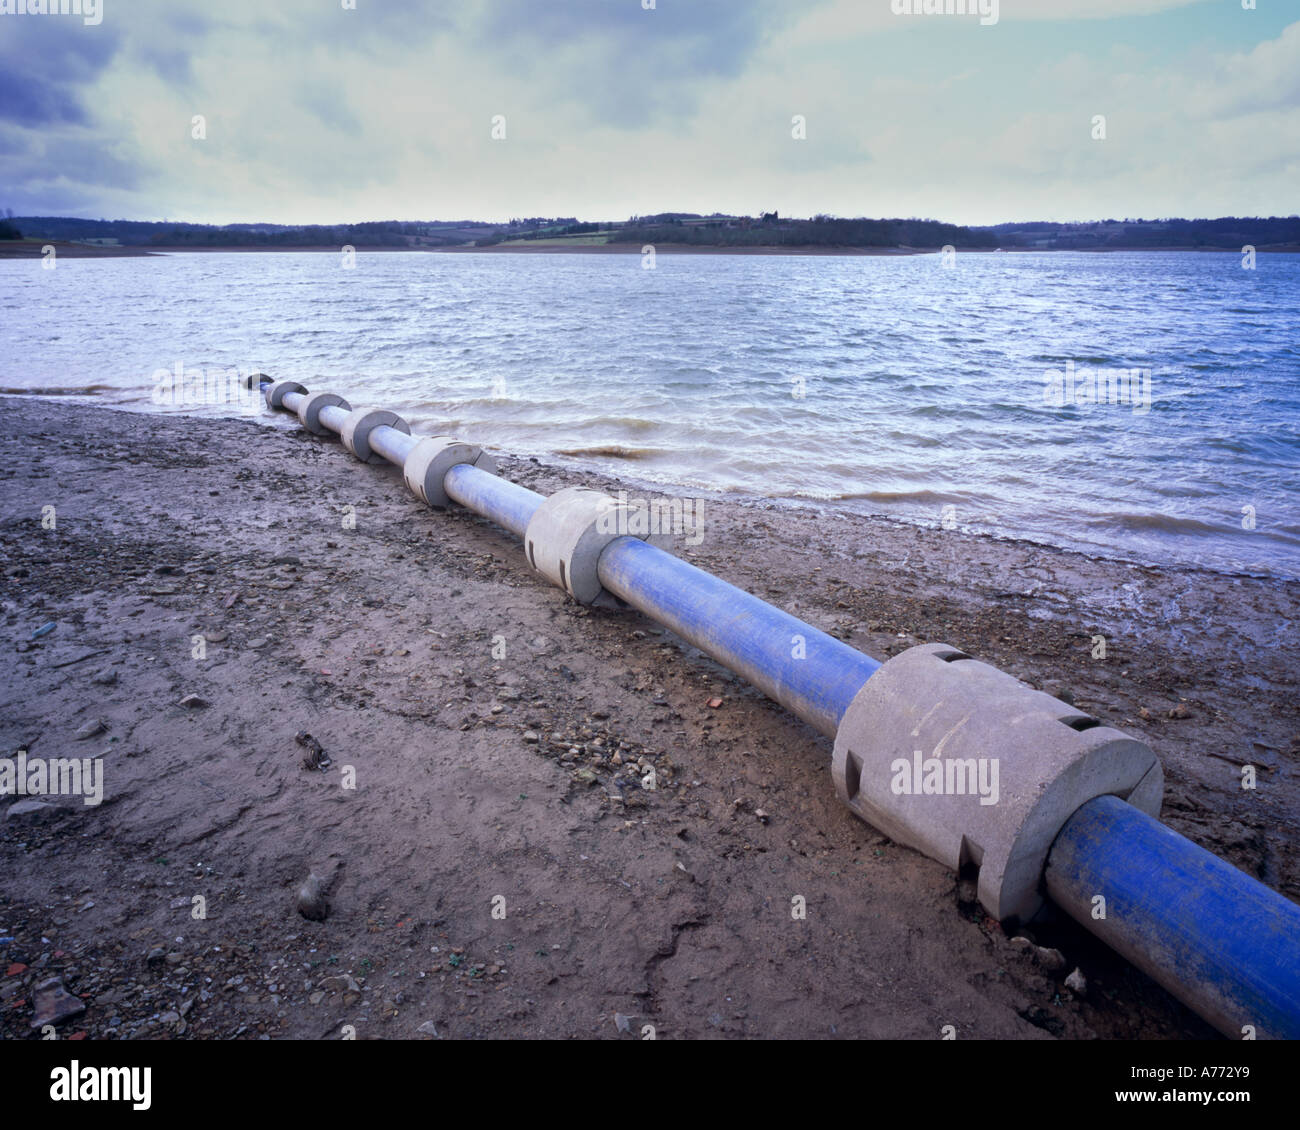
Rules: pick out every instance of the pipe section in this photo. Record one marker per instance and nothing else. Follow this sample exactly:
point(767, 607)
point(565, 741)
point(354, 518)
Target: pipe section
point(393, 445)
point(808, 672)
point(1225, 945)
point(1221, 942)
point(507, 504)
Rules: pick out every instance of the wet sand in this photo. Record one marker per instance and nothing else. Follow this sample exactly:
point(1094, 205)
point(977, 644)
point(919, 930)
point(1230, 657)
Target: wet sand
point(480, 712)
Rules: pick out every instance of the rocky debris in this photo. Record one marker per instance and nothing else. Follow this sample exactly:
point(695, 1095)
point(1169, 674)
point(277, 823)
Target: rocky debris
point(339, 983)
point(313, 902)
point(1076, 982)
point(428, 1028)
point(1179, 712)
point(313, 895)
point(54, 1004)
point(91, 728)
point(105, 678)
point(1050, 959)
point(595, 755)
point(316, 757)
point(194, 702)
point(32, 811)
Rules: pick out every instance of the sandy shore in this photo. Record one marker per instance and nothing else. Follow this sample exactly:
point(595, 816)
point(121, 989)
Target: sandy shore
point(487, 781)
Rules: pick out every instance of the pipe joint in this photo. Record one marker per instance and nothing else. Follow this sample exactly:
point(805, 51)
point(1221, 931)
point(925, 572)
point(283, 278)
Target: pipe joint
point(426, 467)
point(276, 393)
point(360, 423)
point(309, 410)
point(972, 767)
point(567, 535)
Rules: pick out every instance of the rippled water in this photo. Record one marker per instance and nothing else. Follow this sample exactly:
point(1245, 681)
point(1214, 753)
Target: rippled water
point(887, 384)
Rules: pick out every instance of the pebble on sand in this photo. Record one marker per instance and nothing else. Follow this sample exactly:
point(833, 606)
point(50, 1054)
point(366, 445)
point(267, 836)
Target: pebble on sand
point(31, 811)
point(313, 902)
point(54, 1004)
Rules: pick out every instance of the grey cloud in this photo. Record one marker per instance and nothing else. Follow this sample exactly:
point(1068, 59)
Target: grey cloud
point(630, 65)
point(44, 63)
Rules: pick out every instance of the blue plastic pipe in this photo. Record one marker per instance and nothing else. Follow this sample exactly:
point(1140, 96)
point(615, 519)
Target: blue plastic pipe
point(1214, 937)
point(499, 500)
point(1221, 942)
point(331, 416)
point(392, 444)
point(808, 672)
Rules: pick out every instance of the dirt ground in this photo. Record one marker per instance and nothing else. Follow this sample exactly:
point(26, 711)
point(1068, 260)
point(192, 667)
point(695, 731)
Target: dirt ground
point(496, 870)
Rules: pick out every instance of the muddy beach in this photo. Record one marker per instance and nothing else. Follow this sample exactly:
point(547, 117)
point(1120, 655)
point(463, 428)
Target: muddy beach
point(489, 864)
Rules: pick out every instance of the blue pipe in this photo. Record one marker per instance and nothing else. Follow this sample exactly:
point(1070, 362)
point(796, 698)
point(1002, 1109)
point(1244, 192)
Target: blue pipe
point(808, 672)
point(507, 504)
point(1217, 939)
point(1220, 941)
point(332, 417)
point(393, 445)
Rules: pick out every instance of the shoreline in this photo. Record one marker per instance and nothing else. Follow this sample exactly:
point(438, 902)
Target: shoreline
point(576, 466)
point(84, 251)
point(380, 640)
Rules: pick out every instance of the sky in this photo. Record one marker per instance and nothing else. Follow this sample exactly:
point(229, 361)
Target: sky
point(324, 111)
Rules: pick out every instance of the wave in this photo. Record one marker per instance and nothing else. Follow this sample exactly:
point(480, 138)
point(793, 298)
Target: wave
point(911, 496)
point(80, 390)
point(1159, 523)
point(612, 451)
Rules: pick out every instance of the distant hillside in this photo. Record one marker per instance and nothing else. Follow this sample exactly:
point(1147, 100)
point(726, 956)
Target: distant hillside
point(1229, 233)
point(769, 230)
point(144, 233)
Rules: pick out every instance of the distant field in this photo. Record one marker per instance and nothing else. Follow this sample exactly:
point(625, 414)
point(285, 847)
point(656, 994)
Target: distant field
point(592, 239)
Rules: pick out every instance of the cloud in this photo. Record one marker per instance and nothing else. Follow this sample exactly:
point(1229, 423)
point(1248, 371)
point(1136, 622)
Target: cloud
point(622, 63)
point(837, 20)
point(45, 65)
point(316, 113)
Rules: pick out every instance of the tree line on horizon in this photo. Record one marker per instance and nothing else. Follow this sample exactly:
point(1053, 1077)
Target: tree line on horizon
point(716, 230)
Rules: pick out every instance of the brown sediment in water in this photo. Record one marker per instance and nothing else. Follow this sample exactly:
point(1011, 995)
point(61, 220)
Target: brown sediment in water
point(480, 709)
